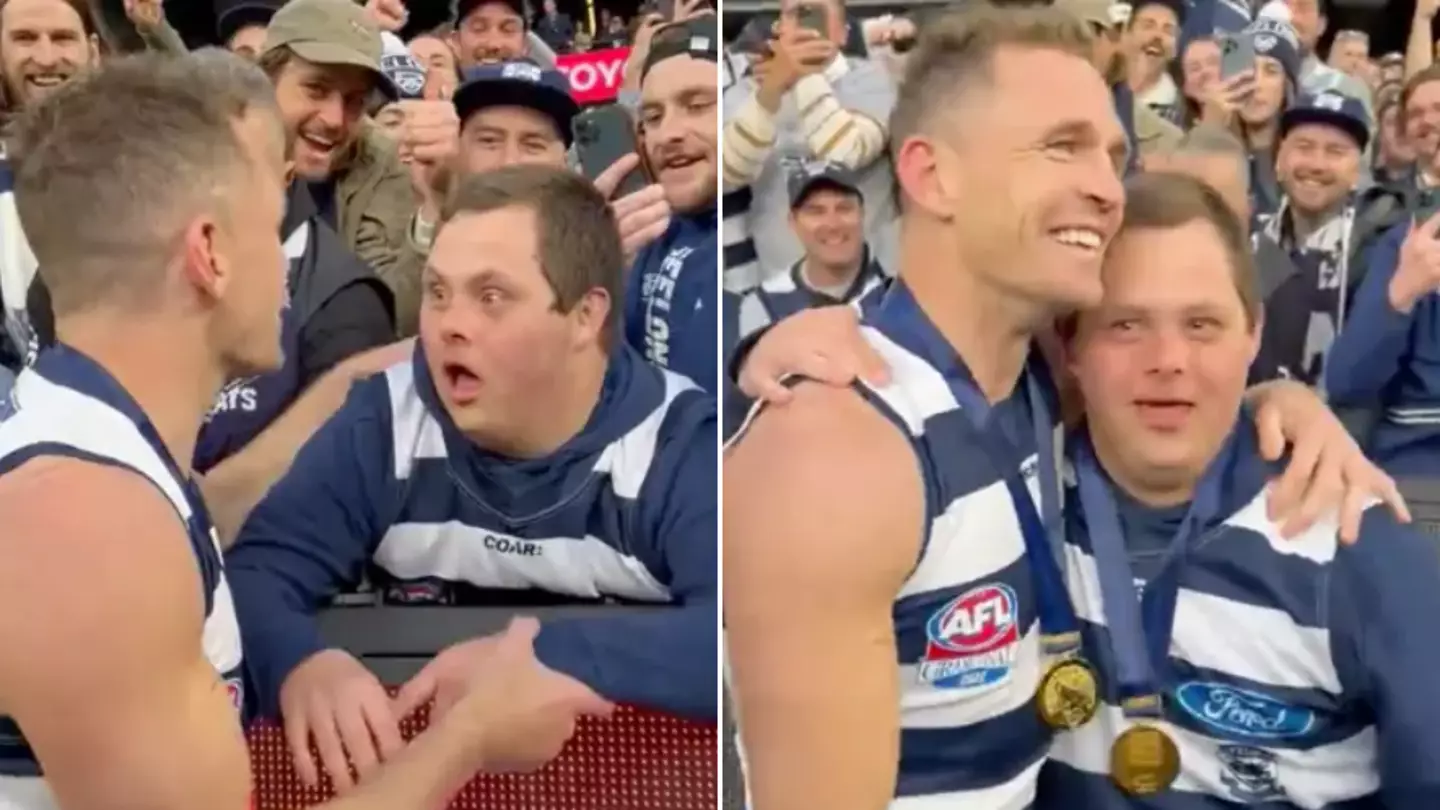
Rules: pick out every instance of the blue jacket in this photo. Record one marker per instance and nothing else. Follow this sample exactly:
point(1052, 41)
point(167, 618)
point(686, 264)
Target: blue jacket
point(671, 303)
point(1388, 360)
point(625, 510)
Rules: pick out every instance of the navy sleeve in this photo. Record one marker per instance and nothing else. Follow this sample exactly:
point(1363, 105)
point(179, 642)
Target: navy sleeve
point(665, 660)
point(310, 537)
point(1384, 595)
point(1367, 353)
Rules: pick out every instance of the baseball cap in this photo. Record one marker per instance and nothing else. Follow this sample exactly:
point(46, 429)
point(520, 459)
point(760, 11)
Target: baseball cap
point(1104, 14)
point(330, 32)
point(816, 175)
point(1331, 108)
point(232, 16)
point(518, 84)
point(696, 37)
point(464, 8)
point(400, 67)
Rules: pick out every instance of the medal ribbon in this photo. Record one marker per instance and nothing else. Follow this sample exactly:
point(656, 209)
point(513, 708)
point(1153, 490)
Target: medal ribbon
point(1059, 627)
point(1140, 629)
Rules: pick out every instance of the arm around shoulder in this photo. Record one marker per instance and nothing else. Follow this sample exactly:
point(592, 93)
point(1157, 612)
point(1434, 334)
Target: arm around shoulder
point(823, 517)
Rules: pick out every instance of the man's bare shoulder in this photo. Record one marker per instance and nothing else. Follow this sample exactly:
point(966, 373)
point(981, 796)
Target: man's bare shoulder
point(832, 476)
point(98, 552)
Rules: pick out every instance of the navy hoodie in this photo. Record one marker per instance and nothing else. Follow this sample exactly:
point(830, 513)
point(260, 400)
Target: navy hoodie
point(623, 512)
point(671, 302)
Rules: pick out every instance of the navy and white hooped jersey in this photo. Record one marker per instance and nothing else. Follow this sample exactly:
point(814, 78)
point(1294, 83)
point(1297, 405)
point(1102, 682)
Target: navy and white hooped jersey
point(623, 512)
point(783, 295)
point(966, 631)
point(1301, 672)
point(67, 405)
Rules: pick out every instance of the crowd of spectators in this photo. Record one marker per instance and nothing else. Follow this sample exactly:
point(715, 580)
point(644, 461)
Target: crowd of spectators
point(1327, 156)
point(497, 373)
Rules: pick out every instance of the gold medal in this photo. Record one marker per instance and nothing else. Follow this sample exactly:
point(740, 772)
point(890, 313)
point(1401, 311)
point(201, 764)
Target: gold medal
point(1144, 760)
point(1068, 695)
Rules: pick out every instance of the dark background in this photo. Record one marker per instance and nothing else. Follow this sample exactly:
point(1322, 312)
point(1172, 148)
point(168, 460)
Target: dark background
point(195, 19)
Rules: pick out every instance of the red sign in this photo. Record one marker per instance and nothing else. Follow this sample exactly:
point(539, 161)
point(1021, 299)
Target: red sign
point(595, 77)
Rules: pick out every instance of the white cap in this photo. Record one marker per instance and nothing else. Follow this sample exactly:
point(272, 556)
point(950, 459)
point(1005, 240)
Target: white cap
point(1276, 10)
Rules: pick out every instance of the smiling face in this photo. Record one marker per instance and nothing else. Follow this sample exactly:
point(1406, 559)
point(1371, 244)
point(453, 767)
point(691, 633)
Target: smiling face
point(322, 106)
point(830, 225)
point(680, 129)
point(1163, 361)
point(1318, 166)
point(43, 44)
point(1031, 205)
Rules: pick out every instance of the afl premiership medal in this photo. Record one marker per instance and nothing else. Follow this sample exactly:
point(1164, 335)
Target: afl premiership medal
point(1069, 694)
point(1144, 760)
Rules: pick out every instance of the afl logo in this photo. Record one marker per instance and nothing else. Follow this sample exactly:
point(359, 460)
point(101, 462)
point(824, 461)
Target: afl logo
point(972, 640)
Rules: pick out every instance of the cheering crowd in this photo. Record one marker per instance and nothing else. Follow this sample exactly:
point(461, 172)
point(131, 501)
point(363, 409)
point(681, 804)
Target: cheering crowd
point(322, 312)
point(1043, 504)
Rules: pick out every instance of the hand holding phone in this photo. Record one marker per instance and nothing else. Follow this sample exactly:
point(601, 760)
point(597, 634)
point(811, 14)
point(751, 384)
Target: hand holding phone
point(604, 135)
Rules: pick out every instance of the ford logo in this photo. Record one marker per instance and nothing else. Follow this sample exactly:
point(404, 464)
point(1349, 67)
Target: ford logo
point(1243, 714)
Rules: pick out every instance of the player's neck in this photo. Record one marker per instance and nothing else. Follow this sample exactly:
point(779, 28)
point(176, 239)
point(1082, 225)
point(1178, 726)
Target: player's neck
point(990, 328)
point(174, 382)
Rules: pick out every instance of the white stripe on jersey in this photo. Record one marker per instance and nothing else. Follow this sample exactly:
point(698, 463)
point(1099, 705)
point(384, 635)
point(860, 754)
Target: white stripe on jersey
point(1274, 649)
point(1016, 794)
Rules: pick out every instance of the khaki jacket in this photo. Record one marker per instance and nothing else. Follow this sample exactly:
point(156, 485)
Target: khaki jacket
point(1153, 133)
point(375, 209)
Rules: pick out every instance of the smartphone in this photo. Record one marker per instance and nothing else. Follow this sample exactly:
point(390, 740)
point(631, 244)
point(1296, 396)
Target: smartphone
point(603, 135)
point(754, 40)
point(1236, 56)
point(814, 17)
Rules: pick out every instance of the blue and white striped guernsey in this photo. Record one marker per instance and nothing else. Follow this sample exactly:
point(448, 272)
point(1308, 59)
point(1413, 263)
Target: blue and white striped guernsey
point(1302, 674)
point(624, 511)
point(966, 630)
point(67, 405)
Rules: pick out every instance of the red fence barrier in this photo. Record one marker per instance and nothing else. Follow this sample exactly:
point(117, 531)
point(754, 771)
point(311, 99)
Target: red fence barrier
point(635, 760)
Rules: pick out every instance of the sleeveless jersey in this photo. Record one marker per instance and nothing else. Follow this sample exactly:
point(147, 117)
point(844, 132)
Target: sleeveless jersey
point(67, 405)
point(1258, 700)
point(966, 632)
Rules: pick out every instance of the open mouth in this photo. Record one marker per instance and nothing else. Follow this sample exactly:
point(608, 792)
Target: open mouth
point(678, 163)
point(317, 144)
point(1087, 240)
point(46, 81)
point(462, 383)
point(1164, 414)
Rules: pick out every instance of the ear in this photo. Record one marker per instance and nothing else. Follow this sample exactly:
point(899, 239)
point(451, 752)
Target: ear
point(93, 49)
point(1324, 24)
point(202, 263)
point(590, 316)
point(918, 169)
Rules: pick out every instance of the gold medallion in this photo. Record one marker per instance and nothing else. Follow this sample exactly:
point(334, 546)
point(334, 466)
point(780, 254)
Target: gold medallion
point(1068, 695)
point(1144, 760)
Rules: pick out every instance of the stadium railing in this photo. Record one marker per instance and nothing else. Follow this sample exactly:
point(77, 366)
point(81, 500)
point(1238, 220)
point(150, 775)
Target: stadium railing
point(635, 760)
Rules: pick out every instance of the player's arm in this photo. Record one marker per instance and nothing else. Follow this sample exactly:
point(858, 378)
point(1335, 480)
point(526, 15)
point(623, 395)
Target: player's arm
point(101, 628)
point(1383, 596)
point(311, 536)
point(823, 515)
